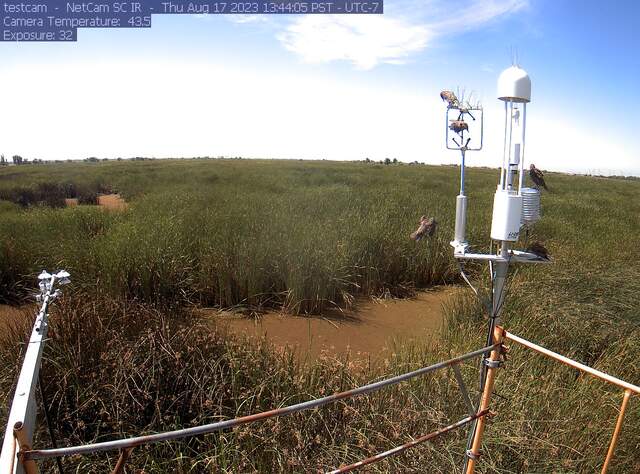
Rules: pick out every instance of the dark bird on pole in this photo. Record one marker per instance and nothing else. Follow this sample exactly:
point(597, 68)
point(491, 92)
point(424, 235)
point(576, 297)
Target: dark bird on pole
point(539, 250)
point(537, 177)
point(450, 98)
point(426, 228)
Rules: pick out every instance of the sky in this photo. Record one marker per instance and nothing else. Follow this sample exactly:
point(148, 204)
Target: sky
point(338, 87)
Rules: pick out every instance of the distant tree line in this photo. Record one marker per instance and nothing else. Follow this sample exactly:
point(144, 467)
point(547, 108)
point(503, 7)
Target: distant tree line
point(389, 161)
point(18, 160)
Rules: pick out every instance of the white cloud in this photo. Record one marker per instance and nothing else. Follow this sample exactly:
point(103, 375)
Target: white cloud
point(369, 40)
point(474, 14)
point(557, 144)
point(568, 145)
point(187, 109)
point(190, 109)
point(364, 40)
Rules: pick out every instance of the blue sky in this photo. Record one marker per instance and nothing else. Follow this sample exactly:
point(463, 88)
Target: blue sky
point(335, 87)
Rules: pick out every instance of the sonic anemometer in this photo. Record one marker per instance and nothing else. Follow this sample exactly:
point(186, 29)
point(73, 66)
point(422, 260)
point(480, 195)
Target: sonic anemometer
point(514, 206)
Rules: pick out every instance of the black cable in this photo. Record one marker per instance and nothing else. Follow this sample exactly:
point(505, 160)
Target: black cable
point(49, 425)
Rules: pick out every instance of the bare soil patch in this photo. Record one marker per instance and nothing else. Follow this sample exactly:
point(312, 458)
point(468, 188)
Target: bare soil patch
point(366, 334)
point(112, 202)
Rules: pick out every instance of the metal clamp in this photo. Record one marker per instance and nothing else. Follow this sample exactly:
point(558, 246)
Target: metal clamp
point(493, 364)
point(470, 454)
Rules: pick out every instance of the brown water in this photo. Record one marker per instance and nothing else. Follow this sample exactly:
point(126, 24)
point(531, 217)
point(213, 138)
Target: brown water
point(367, 333)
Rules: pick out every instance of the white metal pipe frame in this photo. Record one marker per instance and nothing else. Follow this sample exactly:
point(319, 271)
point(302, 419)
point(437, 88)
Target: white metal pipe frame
point(23, 408)
point(17, 452)
point(221, 425)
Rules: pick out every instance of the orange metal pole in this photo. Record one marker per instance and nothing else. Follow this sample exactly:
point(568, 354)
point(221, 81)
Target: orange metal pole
point(484, 403)
point(572, 363)
point(616, 432)
point(30, 466)
point(122, 460)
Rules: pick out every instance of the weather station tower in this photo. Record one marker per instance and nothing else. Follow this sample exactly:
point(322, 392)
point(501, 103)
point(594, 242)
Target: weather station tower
point(515, 208)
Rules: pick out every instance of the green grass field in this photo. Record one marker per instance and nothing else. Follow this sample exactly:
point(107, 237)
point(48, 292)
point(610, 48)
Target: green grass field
point(127, 356)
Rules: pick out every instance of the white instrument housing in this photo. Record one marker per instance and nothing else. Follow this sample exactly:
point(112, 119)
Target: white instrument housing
point(507, 214)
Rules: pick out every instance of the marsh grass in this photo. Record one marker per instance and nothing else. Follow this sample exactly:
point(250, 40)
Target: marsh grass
point(304, 237)
point(122, 361)
point(116, 368)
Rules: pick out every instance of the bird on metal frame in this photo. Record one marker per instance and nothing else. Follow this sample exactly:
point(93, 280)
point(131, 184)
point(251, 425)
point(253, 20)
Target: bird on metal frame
point(450, 98)
point(539, 250)
point(459, 126)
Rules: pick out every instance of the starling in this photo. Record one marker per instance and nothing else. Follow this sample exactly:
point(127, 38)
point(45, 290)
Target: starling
point(537, 177)
point(426, 228)
point(450, 98)
point(539, 250)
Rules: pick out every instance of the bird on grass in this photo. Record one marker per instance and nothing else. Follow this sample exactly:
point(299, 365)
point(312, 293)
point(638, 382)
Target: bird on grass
point(426, 228)
point(539, 250)
point(537, 177)
point(450, 98)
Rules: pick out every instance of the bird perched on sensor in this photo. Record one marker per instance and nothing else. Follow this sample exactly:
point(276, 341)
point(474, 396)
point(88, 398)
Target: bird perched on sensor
point(537, 177)
point(539, 250)
point(450, 98)
point(459, 126)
